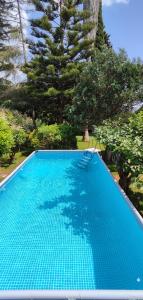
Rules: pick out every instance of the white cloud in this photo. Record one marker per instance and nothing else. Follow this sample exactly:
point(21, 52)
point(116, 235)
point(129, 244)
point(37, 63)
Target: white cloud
point(110, 2)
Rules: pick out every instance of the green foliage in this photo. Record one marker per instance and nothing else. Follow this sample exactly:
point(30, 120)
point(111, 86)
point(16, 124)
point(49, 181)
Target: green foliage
point(102, 38)
point(20, 137)
point(60, 49)
point(53, 137)
point(108, 86)
point(46, 137)
point(17, 120)
point(5, 26)
point(124, 140)
point(18, 127)
point(68, 136)
point(7, 50)
point(6, 138)
point(136, 124)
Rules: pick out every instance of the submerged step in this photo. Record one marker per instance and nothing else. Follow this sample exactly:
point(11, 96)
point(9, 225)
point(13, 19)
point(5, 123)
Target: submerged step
point(82, 164)
point(86, 158)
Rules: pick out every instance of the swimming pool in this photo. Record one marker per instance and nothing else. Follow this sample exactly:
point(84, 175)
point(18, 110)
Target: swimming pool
point(67, 228)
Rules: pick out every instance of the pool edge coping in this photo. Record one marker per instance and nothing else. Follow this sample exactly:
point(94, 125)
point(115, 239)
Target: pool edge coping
point(74, 294)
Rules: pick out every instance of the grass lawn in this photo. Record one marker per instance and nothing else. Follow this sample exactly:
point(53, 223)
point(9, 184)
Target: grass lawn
point(6, 169)
point(91, 144)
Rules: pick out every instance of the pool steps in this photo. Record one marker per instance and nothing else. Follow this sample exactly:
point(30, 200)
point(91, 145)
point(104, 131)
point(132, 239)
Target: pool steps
point(85, 160)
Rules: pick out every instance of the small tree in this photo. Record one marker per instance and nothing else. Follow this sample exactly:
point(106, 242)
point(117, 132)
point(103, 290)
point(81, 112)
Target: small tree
point(6, 138)
point(125, 142)
point(108, 86)
point(20, 136)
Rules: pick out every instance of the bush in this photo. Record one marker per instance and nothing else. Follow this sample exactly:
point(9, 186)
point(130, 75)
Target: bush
point(20, 137)
point(20, 126)
point(53, 137)
point(15, 118)
point(68, 134)
point(6, 138)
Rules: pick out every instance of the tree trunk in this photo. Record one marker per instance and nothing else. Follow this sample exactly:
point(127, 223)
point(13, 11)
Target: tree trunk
point(86, 137)
point(12, 155)
point(21, 31)
point(107, 155)
point(125, 181)
point(34, 118)
point(93, 7)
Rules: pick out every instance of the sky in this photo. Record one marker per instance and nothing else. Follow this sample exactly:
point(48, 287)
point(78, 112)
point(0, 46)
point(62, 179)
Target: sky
point(124, 22)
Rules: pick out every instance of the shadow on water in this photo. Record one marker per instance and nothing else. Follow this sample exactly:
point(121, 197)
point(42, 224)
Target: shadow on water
point(84, 213)
point(77, 208)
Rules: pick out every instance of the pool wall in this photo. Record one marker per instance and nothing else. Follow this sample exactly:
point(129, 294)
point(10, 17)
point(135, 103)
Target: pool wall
point(74, 294)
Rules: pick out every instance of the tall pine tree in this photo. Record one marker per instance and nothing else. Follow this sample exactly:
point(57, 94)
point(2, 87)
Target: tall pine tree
point(102, 37)
point(5, 32)
point(60, 49)
point(7, 51)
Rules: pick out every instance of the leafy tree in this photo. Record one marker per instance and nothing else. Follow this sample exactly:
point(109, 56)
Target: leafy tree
point(108, 86)
point(6, 138)
point(59, 51)
point(102, 37)
point(125, 142)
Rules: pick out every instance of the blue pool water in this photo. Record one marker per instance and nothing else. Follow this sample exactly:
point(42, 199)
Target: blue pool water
point(62, 227)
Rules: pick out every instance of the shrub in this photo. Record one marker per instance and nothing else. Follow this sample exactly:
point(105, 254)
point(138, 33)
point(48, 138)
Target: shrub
point(68, 134)
point(53, 137)
point(6, 138)
point(15, 118)
point(20, 137)
point(20, 126)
